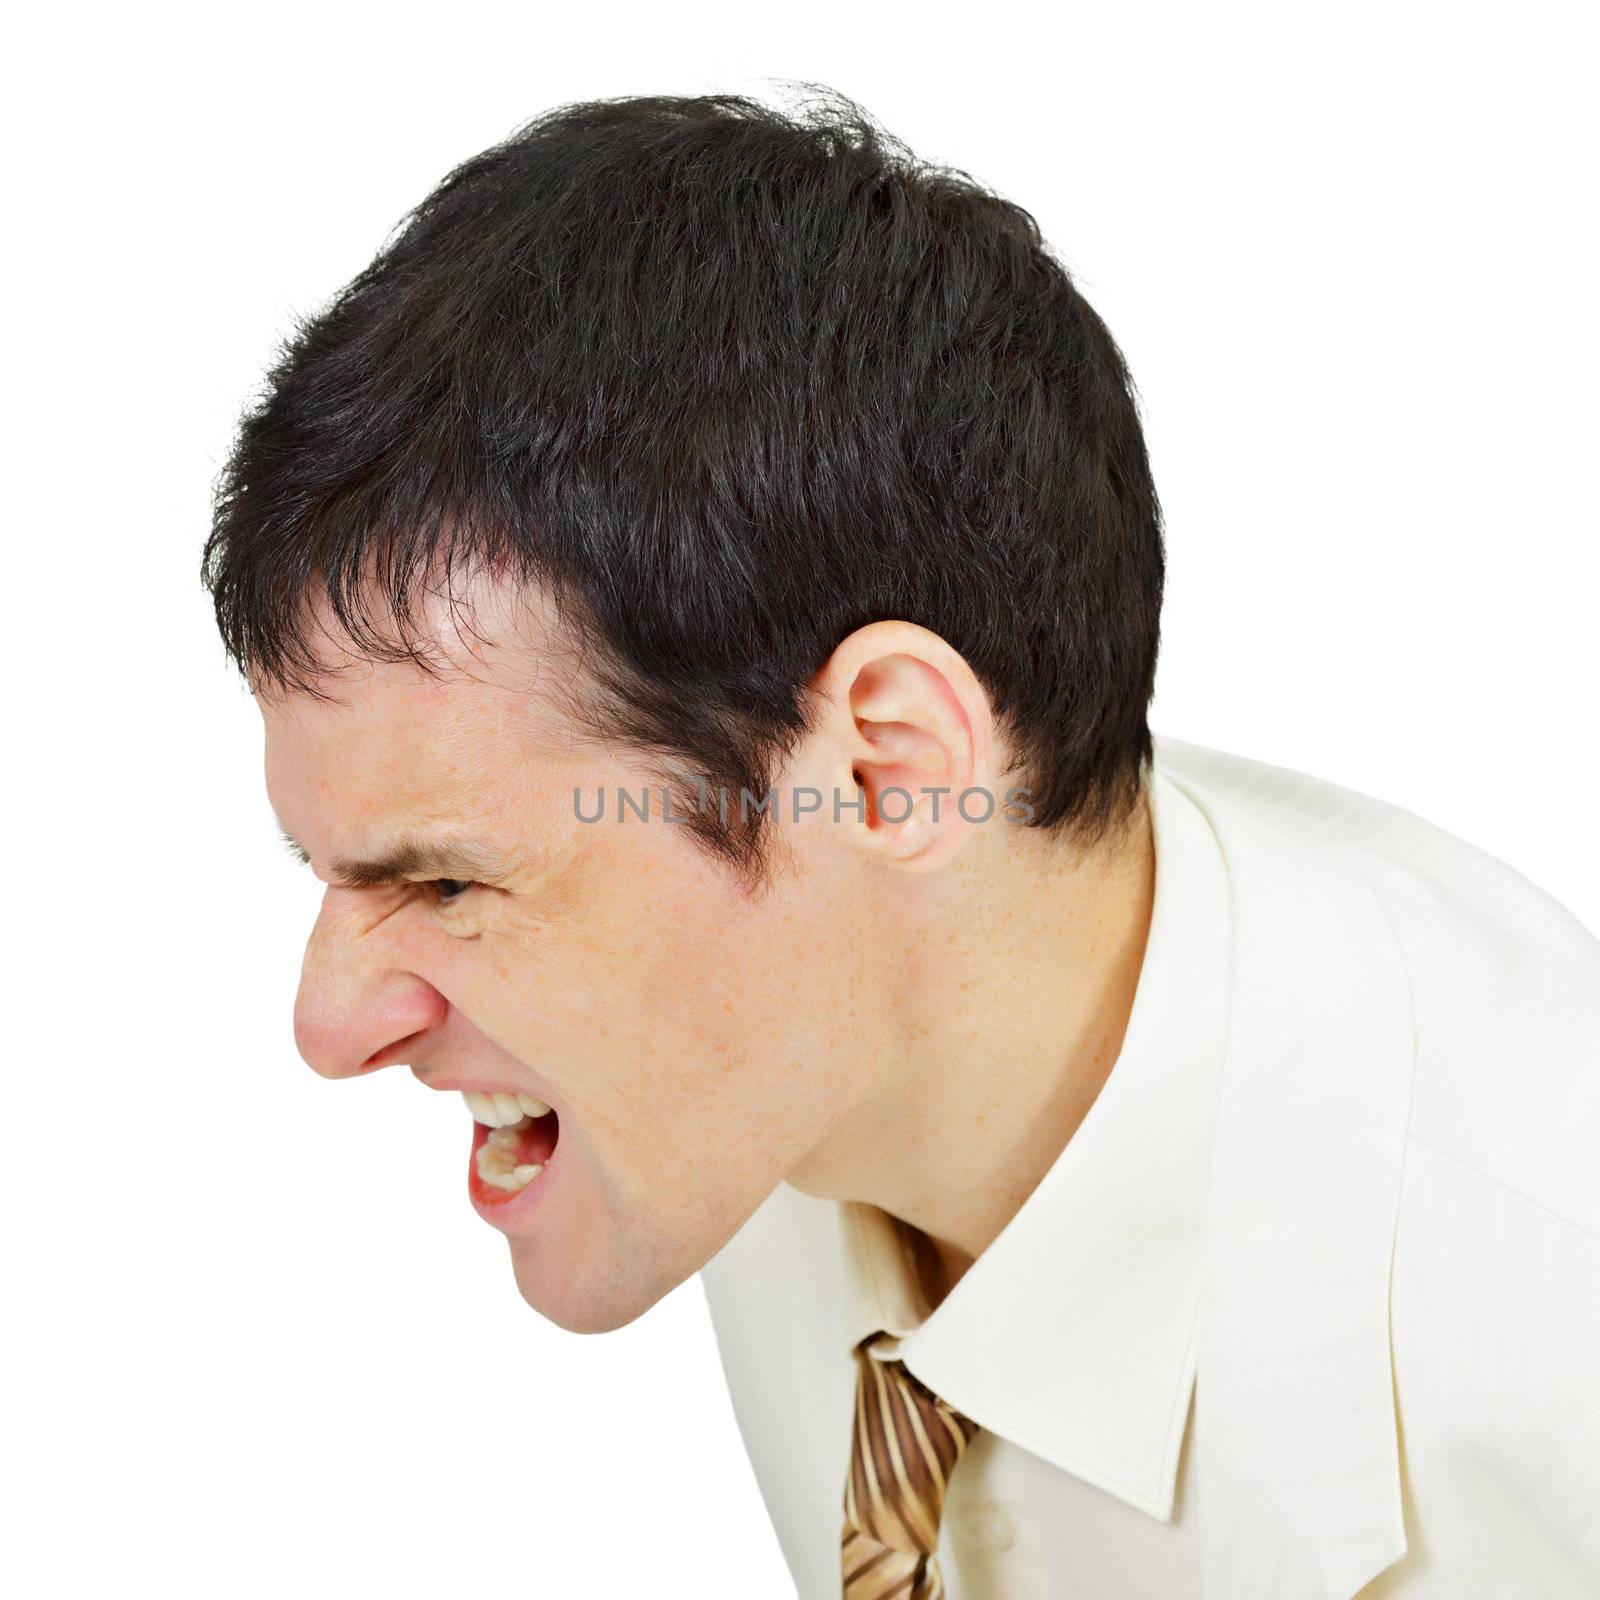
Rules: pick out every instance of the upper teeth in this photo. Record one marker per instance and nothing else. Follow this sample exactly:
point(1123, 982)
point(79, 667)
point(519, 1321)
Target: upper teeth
point(504, 1110)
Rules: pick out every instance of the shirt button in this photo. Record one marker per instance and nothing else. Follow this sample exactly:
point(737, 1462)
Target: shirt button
point(990, 1524)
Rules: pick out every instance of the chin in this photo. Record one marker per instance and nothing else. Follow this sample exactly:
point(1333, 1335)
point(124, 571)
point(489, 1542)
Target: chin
point(582, 1305)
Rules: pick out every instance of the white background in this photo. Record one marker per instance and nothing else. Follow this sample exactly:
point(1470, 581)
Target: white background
point(257, 1339)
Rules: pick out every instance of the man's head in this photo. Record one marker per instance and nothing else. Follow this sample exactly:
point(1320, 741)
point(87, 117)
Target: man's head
point(681, 442)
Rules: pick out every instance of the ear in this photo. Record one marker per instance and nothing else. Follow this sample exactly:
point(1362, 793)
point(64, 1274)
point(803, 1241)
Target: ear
point(907, 726)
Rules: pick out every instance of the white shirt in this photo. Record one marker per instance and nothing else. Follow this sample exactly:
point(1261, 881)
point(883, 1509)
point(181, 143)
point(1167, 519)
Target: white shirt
point(1339, 1188)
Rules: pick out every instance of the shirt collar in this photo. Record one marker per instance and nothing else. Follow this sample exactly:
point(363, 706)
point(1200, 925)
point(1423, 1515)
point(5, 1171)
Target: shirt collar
point(1074, 1334)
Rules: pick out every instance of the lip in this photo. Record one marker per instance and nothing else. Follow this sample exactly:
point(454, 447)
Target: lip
point(495, 1206)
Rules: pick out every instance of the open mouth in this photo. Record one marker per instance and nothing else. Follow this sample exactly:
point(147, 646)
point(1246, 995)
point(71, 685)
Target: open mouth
point(513, 1138)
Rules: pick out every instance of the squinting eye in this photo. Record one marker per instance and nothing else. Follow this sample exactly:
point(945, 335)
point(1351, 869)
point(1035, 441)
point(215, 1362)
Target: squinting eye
point(447, 889)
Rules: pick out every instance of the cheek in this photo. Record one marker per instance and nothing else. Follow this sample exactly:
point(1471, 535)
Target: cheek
point(680, 975)
point(751, 1025)
point(491, 967)
point(661, 997)
point(688, 976)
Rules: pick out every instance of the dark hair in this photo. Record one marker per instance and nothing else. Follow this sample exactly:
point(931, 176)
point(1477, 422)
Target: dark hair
point(727, 383)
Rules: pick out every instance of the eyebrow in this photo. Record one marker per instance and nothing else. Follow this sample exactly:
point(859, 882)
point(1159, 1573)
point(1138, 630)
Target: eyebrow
point(411, 857)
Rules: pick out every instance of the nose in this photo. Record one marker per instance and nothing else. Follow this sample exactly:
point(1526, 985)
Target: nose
point(355, 1009)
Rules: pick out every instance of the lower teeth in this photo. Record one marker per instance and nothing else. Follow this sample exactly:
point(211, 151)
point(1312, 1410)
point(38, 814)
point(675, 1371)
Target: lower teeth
point(497, 1160)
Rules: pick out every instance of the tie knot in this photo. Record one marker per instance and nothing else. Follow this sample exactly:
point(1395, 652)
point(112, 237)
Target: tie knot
point(907, 1442)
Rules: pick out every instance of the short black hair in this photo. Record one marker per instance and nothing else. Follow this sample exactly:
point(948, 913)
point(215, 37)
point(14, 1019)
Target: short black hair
point(728, 382)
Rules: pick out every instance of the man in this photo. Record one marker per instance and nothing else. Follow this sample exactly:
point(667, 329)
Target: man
point(701, 584)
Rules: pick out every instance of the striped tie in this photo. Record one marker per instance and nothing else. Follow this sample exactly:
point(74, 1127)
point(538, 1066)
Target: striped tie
point(907, 1442)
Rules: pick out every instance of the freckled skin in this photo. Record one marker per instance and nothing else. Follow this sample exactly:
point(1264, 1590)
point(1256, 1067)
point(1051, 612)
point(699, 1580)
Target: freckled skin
point(700, 1041)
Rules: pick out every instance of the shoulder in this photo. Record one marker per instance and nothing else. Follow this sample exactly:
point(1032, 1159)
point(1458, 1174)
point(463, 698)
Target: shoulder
point(1504, 981)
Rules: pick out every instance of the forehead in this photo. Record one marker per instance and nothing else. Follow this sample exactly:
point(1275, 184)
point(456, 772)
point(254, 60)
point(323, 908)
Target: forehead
point(392, 744)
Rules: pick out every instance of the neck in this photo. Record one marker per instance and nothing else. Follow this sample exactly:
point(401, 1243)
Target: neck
point(1005, 1001)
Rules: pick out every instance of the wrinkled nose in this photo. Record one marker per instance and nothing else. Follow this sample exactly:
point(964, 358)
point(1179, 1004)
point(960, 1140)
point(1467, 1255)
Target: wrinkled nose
point(354, 1011)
